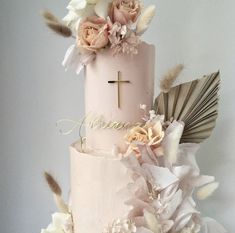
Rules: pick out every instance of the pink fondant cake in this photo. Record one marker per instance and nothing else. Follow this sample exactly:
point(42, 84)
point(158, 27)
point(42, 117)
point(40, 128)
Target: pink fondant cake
point(101, 97)
point(97, 182)
point(134, 170)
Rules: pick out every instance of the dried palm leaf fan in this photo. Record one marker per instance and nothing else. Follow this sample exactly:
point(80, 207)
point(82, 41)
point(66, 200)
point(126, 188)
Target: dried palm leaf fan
point(195, 103)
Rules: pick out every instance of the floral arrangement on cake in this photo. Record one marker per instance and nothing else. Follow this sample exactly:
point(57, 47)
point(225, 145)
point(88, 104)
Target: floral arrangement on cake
point(101, 24)
point(160, 153)
point(162, 163)
point(165, 175)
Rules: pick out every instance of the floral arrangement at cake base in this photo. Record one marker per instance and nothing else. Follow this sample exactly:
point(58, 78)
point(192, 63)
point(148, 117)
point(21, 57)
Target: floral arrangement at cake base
point(165, 177)
point(158, 165)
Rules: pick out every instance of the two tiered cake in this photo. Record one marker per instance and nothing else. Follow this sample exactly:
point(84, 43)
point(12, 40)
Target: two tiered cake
point(134, 170)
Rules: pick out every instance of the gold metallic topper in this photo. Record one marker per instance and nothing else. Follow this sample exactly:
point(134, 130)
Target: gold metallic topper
point(119, 81)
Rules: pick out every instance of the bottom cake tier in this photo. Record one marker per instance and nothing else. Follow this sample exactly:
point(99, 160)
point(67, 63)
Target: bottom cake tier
point(97, 190)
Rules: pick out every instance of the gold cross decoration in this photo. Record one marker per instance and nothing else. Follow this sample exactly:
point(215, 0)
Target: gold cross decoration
point(119, 81)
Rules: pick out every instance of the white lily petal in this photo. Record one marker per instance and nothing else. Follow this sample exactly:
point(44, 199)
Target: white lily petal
point(172, 205)
point(162, 176)
point(209, 225)
point(86, 58)
point(202, 180)
point(69, 56)
point(79, 68)
point(77, 5)
point(168, 193)
point(101, 8)
point(92, 2)
point(184, 214)
point(181, 171)
point(74, 59)
point(207, 190)
point(186, 156)
point(167, 225)
point(171, 141)
point(71, 16)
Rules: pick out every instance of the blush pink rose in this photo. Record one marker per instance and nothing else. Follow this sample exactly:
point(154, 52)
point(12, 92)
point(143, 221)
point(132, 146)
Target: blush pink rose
point(93, 34)
point(124, 11)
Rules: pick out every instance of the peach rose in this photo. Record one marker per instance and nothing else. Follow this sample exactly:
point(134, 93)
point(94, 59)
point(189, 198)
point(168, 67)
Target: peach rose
point(124, 11)
point(150, 134)
point(93, 34)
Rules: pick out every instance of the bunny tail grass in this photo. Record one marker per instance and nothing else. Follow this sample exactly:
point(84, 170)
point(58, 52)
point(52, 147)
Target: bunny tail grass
point(49, 16)
point(54, 186)
point(55, 25)
point(57, 192)
point(170, 77)
point(145, 20)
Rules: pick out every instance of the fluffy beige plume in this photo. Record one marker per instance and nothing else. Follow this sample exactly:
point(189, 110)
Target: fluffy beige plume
point(55, 25)
point(49, 16)
point(170, 77)
point(145, 19)
point(57, 192)
point(207, 190)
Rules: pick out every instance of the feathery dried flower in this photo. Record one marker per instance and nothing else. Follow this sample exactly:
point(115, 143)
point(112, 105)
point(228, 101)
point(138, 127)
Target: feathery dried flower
point(57, 192)
point(53, 184)
point(123, 39)
point(170, 77)
point(55, 25)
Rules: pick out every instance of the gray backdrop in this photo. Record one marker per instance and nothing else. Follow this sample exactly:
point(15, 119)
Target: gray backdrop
point(35, 92)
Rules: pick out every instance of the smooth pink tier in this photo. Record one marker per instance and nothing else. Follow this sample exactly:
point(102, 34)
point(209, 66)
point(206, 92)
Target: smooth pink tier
point(96, 197)
point(101, 97)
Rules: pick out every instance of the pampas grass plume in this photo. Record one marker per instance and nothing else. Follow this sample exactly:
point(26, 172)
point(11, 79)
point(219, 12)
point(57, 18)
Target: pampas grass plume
point(145, 19)
point(57, 192)
point(54, 186)
point(49, 16)
point(207, 190)
point(170, 77)
point(55, 25)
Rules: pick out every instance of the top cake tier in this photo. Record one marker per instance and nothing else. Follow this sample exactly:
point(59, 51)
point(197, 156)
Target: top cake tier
point(115, 87)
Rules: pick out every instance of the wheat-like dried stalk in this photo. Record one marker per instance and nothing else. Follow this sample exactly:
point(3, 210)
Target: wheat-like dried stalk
point(170, 77)
point(57, 192)
point(145, 19)
point(54, 186)
point(49, 16)
point(207, 190)
point(55, 25)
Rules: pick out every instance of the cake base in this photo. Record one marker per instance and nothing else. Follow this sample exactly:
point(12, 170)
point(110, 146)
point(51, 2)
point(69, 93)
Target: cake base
point(97, 182)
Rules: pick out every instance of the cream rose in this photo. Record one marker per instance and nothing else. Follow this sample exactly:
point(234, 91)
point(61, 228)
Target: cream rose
point(150, 134)
point(93, 34)
point(124, 11)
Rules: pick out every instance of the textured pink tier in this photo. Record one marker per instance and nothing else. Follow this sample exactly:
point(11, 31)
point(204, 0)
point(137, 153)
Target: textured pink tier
point(101, 97)
point(96, 199)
